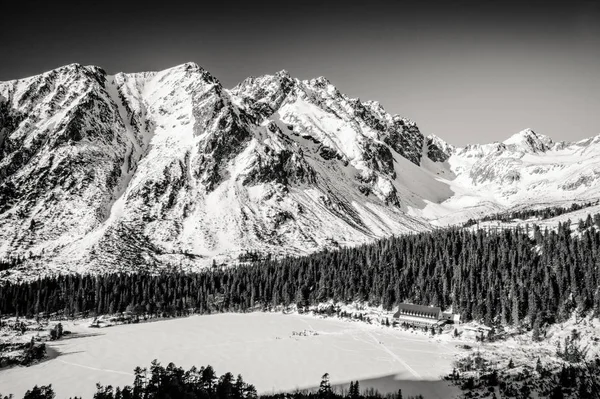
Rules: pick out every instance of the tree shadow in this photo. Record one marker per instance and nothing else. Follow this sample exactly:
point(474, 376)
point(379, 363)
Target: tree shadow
point(77, 336)
point(391, 383)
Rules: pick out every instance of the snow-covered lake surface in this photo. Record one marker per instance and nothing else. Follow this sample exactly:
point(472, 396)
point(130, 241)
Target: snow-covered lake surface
point(260, 346)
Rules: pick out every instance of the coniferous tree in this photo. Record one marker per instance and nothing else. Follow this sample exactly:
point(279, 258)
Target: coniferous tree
point(325, 387)
point(511, 364)
point(42, 392)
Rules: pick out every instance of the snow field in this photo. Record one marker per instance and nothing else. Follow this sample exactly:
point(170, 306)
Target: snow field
point(260, 346)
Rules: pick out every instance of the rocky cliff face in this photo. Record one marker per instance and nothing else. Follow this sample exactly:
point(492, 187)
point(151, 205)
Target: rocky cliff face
point(63, 154)
point(171, 170)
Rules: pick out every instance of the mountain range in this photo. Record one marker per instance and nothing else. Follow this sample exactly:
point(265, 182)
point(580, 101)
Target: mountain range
point(169, 169)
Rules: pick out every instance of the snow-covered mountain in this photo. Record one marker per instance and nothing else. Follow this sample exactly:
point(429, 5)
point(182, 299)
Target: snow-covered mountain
point(170, 169)
point(528, 170)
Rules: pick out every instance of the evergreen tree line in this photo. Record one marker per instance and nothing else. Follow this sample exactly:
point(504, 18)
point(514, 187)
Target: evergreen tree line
point(508, 277)
point(525, 214)
point(172, 382)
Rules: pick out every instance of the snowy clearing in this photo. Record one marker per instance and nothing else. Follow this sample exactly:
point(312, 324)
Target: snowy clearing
point(264, 347)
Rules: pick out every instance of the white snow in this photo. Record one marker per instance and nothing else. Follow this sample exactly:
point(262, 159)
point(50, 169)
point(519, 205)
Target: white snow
point(260, 346)
point(493, 178)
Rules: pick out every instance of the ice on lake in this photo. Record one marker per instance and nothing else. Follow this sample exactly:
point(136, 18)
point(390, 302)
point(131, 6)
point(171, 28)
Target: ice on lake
point(264, 347)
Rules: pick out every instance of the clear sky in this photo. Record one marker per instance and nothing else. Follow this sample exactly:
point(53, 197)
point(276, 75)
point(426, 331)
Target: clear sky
point(468, 71)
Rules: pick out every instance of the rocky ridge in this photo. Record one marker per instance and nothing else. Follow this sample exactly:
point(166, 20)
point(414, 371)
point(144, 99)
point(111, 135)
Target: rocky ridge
point(170, 169)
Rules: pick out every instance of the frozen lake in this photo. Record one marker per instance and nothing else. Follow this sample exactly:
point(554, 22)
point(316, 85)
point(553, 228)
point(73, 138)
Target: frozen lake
point(260, 346)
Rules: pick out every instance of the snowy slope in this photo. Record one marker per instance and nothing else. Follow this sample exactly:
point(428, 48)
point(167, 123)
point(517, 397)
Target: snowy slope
point(526, 170)
point(169, 169)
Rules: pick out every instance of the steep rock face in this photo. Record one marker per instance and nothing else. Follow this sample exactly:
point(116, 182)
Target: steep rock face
point(63, 149)
point(361, 135)
point(405, 138)
point(264, 95)
point(438, 150)
point(169, 169)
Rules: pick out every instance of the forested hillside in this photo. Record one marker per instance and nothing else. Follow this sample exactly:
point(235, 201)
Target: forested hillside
point(540, 214)
point(511, 277)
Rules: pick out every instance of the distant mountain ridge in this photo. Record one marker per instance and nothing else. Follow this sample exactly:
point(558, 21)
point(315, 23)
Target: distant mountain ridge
point(170, 169)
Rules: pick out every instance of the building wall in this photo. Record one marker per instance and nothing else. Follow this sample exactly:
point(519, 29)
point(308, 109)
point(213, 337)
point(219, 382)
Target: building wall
point(455, 318)
point(429, 315)
point(419, 321)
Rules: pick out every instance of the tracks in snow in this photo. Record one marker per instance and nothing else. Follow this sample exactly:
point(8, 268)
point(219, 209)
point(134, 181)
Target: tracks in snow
point(95, 368)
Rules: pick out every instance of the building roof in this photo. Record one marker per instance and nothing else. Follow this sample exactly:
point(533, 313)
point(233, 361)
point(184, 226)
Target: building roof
point(417, 310)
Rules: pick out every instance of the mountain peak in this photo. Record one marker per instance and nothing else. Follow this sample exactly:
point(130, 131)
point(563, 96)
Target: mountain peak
point(189, 66)
point(320, 82)
point(529, 140)
point(76, 69)
point(71, 66)
point(528, 132)
point(191, 69)
point(440, 142)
